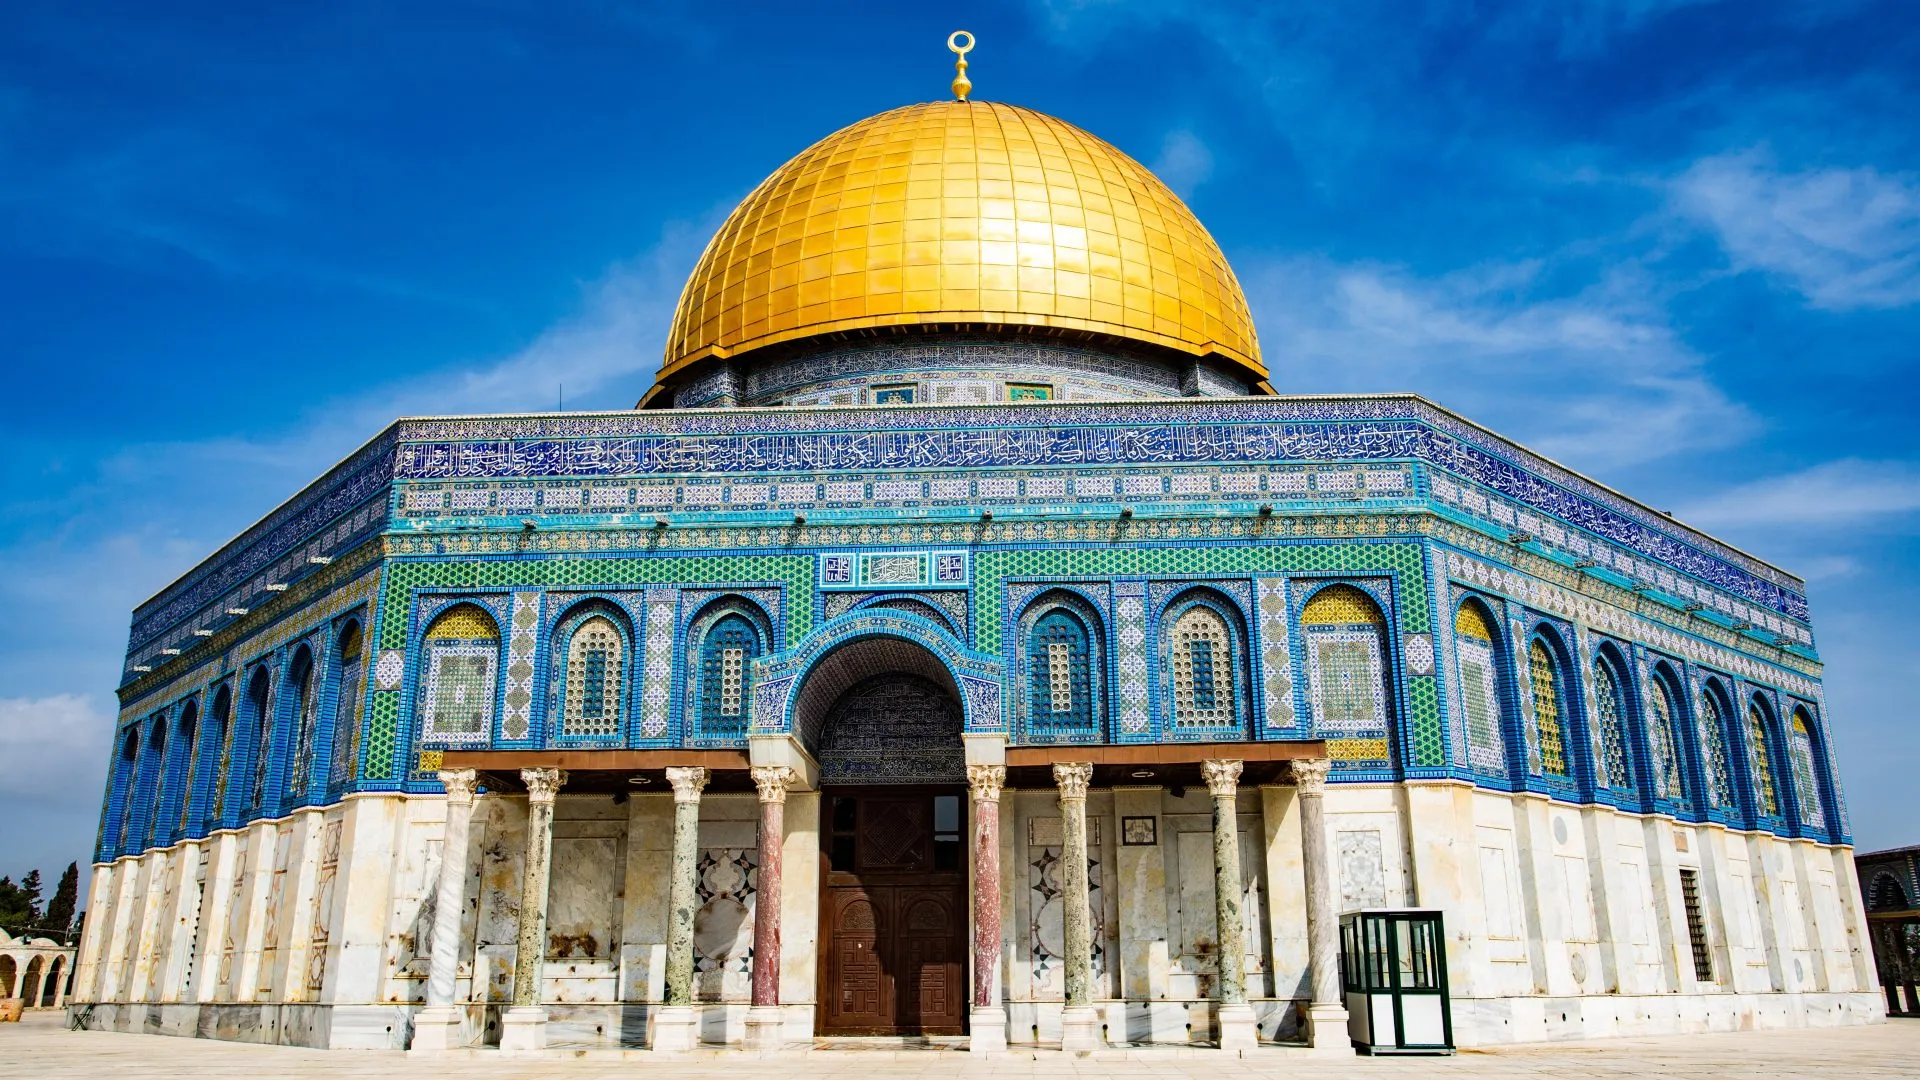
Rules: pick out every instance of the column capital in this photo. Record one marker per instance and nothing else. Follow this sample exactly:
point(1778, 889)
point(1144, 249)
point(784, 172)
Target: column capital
point(543, 784)
point(1309, 775)
point(1222, 775)
point(688, 781)
point(459, 784)
point(772, 780)
point(986, 781)
point(1073, 778)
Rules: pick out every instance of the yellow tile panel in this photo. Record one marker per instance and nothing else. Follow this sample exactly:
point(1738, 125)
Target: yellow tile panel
point(962, 212)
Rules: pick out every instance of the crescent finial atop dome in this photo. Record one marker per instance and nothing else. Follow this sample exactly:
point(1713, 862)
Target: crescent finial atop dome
point(961, 85)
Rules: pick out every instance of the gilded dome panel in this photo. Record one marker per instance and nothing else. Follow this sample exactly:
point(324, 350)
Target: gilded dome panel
point(957, 212)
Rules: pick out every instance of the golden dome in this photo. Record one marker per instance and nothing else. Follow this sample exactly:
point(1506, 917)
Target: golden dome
point(962, 213)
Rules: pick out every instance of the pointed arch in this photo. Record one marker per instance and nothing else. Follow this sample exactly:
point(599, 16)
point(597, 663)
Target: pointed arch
point(1203, 651)
point(1808, 790)
point(592, 650)
point(259, 721)
point(219, 748)
point(724, 639)
point(1761, 746)
point(1614, 769)
point(182, 769)
point(120, 795)
point(1663, 733)
point(1552, 704)
point(1344, 633)
point(462, 659)
point(1716, 762)
point(1061, 695)
point(1478, 671)
point(350, 670)
point(302, 693)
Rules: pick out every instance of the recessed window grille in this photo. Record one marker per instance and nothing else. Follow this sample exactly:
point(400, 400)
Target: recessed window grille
point(1548, 723)
point(1696, 926)
point(1202, 670)
point(594, 679)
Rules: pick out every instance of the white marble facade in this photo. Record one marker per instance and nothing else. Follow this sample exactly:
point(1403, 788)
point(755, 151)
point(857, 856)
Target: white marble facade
point(1562, 921)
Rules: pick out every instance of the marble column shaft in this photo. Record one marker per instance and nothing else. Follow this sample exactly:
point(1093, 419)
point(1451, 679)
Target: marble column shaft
point(683, 888)
point(1223, 781)
point(986, 782)
point(1076, 915)
point(1323, 925)
point(451, 898)
point(543, 786)
point(772, 782)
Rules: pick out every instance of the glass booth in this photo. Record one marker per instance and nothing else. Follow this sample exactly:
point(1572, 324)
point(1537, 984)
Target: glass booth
point(1393, 972)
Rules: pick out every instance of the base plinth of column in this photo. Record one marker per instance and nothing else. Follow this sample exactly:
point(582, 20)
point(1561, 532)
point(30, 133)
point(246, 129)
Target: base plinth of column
point(766, 1028)
point(1237, 1028)
point(524, 1027)
point(987, 1030)
point(1327, 1030)
point(439, 1027)
point(676, 1029)
point(1080, 1029)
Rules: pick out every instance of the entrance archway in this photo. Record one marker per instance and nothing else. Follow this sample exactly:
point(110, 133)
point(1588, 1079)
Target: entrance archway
point(884, 718)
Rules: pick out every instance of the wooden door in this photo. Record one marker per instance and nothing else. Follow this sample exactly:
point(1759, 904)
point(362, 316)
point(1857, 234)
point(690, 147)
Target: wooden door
point(893, 914)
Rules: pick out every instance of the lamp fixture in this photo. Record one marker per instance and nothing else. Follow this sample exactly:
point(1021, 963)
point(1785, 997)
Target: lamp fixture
point(1266, 509)
point(1518, 538)
point(986, 515)
point(799, 519)
point(659, 523)
point(237, 611)
point(319, 560)
point(276, 586)
point(1141, 774)
point(1126, 512)
point(639, 781)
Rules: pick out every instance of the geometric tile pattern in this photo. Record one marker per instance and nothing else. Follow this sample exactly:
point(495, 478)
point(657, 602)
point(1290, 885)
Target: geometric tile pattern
point(656, 685)
point(516, 716)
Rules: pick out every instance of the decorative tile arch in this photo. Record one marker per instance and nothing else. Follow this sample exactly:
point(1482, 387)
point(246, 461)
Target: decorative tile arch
point(1059, 670)
point(349, 677)
point(1713, 714)
point(723, 639)
point(591, 672)
point(1762, 748)
point(1613, 763)
point(1343, 629)
point(1555, 707)
point(1204, 661)
point(1809, 790)
point(257, 726)
point(1665, 716)
point(1481, 689)
point(301, 693)
point(459, 677)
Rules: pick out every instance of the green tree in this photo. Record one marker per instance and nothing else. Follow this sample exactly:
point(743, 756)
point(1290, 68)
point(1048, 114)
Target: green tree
point(59, 914)
point(17, 906)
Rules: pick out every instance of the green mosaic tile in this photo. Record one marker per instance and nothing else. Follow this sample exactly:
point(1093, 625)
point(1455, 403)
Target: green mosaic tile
point(1423, 717)
point(383, 729)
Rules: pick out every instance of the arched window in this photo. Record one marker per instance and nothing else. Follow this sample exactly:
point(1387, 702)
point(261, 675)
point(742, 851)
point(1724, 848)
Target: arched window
point(1201, 645)
point(1549, 703)
point(1661, 738)
point(1806, 782)
point(1886, 893)
point(1473, 651)
point(1346, 672)
point(260, 712)
point(595, 678)
point(220, 743)
point(1718, 766)
point(1766, 794)
point(463, 645)
point(1611, 705)
point(304, 691)
point(1060, 675)
point(178, 809)
point(727, 653)
point(121, 798)
point(346, 707)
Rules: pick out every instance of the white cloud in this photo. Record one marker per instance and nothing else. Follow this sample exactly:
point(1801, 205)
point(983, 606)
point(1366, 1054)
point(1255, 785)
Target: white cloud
point(54, 751)
point(1832, 495)
point(1184, 162)
point(1597, 379)
point(1843, 238)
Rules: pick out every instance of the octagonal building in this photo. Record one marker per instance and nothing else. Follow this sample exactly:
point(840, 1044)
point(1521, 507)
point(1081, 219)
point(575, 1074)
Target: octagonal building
point(962, 639)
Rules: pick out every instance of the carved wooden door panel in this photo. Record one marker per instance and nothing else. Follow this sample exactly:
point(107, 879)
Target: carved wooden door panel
point(893, 914)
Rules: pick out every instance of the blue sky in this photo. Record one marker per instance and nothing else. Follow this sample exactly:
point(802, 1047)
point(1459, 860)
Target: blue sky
point(1674, 245)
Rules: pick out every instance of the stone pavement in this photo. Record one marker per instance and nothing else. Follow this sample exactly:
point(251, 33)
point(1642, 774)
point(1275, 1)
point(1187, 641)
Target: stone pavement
point(41, 1048)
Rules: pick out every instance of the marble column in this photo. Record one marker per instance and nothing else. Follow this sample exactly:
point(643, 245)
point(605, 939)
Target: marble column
point(1079, 1020)
point(676, 1028)
point(440, 1025)
point(524, 1025)
point(766, 1028)
point(1327, 1012)
point(1233, 1014)
point(988, 1023)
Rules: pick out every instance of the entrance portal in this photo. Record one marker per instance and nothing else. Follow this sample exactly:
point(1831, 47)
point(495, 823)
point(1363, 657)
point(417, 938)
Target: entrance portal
point(893, 905)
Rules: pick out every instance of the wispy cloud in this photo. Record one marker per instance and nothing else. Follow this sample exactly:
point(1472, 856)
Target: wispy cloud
point(1832, 495)
point(1184, 162)
point(1597, 378)
point(55, 749)
point(1844, 238)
